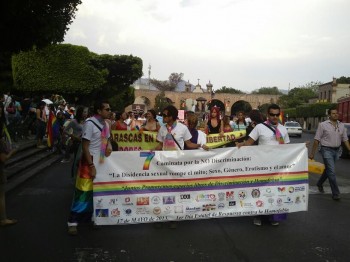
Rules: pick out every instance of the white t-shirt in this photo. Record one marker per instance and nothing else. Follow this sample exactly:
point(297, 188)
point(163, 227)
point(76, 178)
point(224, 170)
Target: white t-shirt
point(266, 136)
point(180, 133)
point(93, 134)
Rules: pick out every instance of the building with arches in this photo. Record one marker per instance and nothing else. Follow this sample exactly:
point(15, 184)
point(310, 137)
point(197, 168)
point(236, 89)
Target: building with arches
point(198, 99)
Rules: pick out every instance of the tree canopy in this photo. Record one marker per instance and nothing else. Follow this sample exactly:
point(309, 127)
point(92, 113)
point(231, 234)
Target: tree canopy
point(28, 23)
point(170, 84)
point(64, 69)
point(343, 80)
point(297, 96)
point(229, 90)
point(25, 24)
point(268, 91)
point(74, 70)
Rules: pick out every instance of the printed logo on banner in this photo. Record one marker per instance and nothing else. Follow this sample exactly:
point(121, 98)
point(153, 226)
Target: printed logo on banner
point(155, 200)
point(291, 189)
point(246, 204)
point(142, 201)
point(157, 210)
point(255, 193)
point(101, 212)
point(167, 210)
point(232, 203)
point(268, 192)
point(168, 200)
point(185, 198)
point(99, 203)
point(300, 199)
point(281, 189)
point(230, 195)
point(205, 197)
point(221, 205)
point(128, 211)
point(242, 194)
point(142, 211)
point(259, 203)
point(192, 209)
point(299, 188)
point(208, 207)
point(178, 209)
point(115, 212)
point(271, 200)
point(113, 201)
point(279, 201)
point(127, 202)
point(221, 196)
point(288, 201)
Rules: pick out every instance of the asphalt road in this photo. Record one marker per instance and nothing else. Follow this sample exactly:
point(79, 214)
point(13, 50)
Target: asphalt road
point(42, 206)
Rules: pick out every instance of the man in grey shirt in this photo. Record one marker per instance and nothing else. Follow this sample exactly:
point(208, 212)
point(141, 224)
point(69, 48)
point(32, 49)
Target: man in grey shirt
point(330, 134)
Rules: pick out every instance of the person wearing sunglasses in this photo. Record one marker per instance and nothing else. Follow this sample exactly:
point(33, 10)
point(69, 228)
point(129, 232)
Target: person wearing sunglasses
point(270, 132)
point(95, 147)
point(330, 134)
point(174, 135)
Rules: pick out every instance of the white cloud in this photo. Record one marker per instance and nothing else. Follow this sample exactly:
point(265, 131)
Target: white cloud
point(243, 44)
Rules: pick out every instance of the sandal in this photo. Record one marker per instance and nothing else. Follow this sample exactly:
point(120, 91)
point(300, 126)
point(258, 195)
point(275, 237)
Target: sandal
point(8, 222)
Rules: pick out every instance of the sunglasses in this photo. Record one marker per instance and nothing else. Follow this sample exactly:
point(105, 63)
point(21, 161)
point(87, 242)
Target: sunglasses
point(107, 109)
point(276, 115)
point(165, 115)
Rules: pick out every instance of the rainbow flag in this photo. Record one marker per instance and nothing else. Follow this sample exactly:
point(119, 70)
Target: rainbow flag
point(281, 118)
point(53, 129)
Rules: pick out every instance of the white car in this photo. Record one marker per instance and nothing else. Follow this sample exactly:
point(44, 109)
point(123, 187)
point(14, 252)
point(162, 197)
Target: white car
point(293, 128)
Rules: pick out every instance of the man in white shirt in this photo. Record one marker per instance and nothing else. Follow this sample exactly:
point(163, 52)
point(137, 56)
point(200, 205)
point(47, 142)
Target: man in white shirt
point(95, 146)
point(271, 132)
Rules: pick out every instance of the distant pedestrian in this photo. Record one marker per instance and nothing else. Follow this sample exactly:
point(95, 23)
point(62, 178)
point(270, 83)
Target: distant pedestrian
point(95, 147)
point(41, 120)
point(330, 134)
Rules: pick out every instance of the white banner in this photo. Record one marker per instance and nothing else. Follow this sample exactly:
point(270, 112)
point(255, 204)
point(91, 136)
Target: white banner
point(141, 187)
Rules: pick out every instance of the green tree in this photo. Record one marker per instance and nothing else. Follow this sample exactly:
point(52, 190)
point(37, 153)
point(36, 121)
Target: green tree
point(64, 69)
point(168, 85)
point(297, 96)
point(229, 90)
point(25, 24)
point(161, 102)
point(268, 91)
point(74, 71)
point(343, 80)
point(122, 71)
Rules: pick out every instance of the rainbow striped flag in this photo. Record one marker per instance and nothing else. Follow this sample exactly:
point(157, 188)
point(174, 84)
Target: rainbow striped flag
point(53, 129)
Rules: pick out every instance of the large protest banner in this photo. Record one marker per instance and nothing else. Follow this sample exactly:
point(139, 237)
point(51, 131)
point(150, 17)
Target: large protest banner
point(142, 187)
point(146, 140)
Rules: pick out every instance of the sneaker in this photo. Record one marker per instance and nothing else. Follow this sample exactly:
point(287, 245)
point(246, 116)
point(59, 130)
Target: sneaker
point(65, 160)
point(72, 230)
point(320, 189)
point(274, 223)
point(41, 146)
point(336, 197)
point(257, 222)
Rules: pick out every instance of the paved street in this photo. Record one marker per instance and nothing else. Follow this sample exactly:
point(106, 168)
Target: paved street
point(42, 206)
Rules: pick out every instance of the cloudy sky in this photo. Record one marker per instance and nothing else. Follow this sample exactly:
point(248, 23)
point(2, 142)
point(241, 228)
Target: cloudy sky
point(244, 44)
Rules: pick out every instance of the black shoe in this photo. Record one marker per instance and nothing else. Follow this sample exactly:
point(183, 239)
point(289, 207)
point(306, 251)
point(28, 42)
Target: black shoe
point(320, 189)
point(336, 197)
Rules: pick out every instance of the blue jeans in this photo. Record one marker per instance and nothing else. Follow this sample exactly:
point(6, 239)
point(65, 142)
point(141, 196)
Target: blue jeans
point(329, 155)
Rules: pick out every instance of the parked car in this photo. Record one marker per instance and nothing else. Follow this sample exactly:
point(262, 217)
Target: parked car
point(293, 128)
point(345, 153)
